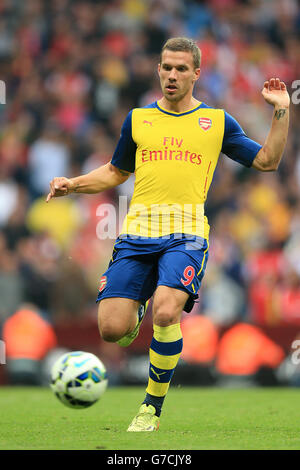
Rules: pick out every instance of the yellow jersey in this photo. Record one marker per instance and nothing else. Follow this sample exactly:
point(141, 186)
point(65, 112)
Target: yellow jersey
point(174, 156)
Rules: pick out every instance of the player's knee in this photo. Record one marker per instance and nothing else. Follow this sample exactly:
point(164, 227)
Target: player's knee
point(166, 310)
point(116, 319)
point(111, 332)
point(164, 316)
point(111, 329)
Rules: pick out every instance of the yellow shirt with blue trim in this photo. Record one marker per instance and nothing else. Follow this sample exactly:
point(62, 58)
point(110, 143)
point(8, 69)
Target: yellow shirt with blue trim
point(174, 156)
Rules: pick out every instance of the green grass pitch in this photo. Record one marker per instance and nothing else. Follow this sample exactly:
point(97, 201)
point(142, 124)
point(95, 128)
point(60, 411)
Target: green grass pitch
point(193, 418)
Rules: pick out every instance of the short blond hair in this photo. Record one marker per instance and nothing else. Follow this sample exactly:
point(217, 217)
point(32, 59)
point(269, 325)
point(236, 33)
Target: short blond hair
point(182, 44)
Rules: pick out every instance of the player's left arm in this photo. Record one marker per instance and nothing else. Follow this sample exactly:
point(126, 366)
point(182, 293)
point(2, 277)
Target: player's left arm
point(269, 156)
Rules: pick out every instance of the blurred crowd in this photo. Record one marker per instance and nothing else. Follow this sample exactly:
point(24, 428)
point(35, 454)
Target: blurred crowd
point(73, 70)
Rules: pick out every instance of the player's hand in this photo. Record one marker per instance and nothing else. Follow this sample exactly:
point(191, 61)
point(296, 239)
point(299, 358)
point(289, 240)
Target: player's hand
point(59, 187)
point(275, 93)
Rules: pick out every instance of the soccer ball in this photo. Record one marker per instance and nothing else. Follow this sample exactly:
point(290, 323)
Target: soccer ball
point(78, 379)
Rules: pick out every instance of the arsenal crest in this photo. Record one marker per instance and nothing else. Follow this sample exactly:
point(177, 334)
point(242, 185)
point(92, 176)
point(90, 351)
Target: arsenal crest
point(102, 284)
point(205, 123)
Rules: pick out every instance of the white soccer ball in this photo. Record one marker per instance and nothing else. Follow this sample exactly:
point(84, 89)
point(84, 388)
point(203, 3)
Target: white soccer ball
point(78, 379)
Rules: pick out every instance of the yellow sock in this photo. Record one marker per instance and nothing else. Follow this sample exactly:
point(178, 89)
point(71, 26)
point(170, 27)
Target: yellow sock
point(165, 350)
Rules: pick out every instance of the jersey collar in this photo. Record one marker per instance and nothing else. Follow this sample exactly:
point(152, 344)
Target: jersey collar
point(172, 113)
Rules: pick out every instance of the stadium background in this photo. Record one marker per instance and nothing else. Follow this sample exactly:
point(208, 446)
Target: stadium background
point(72, 70)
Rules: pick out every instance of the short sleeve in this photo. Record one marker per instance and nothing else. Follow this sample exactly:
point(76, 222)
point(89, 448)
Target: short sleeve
point(236, 144)
point(124, 154)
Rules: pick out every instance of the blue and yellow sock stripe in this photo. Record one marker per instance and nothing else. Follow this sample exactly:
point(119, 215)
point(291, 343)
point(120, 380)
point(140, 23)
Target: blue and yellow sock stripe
point(160, 375)
point(165, 350)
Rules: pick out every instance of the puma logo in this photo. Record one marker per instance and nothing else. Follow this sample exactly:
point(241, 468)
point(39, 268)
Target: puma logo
point(147, 122)
point(156, 373)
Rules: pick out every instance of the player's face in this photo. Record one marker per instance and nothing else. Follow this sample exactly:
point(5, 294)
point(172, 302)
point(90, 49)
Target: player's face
point(177, 74)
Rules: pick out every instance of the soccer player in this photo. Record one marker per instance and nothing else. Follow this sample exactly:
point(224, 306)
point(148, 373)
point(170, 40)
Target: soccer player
point(172, 146)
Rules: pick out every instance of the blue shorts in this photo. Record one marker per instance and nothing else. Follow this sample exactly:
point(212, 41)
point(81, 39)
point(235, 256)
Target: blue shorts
point(138, 265)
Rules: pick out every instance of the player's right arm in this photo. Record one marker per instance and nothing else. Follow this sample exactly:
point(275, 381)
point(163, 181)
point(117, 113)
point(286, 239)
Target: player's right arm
point(105, 177)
